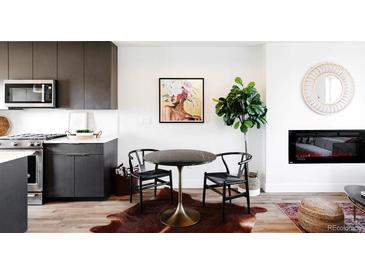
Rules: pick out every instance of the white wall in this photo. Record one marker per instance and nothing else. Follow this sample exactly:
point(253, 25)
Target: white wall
point(277, 68)
point(139, 71)
point(286, 64)
point(56, 120)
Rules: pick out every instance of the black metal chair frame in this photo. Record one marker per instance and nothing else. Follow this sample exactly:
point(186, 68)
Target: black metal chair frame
point(142, 175)
point(227, 180)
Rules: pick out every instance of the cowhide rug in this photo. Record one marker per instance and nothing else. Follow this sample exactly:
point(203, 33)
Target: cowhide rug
point(132, 221)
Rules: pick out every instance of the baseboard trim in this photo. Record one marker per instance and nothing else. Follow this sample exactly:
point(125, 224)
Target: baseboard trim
point(302, 187)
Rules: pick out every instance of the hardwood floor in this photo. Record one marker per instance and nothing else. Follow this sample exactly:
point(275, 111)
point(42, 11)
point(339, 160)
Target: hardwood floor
point(81, 216)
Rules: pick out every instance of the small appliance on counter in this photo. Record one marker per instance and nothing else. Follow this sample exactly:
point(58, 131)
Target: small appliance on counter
point(35, 161)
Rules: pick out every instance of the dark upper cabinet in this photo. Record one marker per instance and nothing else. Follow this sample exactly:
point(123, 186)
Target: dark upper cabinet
point(4, 55)
point(28, 60)
point(70, 86)
point(20, 60)
point(100, 75)
point(45, 60)
point(86, 72)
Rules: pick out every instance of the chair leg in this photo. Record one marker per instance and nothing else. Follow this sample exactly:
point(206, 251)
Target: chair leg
point(248, 198)
point(140, 197)
point(204, 188)
point(229, 193)
point(130, 189)
point(171, 189)
point(155, 191)
point(223, 201)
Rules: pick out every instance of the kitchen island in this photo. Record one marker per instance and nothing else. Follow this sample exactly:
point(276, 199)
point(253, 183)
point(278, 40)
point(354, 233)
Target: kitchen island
point(13, 190)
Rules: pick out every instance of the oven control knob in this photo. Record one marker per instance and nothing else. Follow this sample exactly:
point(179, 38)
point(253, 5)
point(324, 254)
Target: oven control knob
point(31, 144)
point(14, 144)
point(37, 144)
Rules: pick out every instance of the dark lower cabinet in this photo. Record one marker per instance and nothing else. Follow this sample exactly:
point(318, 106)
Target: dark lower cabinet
point(89, 173)
point(59, 173)
point(79, 171)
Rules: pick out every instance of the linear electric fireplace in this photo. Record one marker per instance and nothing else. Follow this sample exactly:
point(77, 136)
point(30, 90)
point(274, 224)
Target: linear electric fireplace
point(326, 146)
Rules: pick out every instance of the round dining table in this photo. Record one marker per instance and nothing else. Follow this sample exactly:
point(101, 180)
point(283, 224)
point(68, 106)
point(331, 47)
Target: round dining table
point(180, 216)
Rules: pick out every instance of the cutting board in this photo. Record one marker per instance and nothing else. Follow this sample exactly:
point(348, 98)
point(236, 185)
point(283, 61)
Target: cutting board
point(4, 125)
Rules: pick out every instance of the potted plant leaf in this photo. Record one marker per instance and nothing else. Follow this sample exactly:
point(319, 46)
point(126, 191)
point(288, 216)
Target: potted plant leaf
point(243, 109)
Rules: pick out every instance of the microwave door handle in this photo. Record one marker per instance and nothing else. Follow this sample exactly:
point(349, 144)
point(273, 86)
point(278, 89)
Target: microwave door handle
point(43, 91)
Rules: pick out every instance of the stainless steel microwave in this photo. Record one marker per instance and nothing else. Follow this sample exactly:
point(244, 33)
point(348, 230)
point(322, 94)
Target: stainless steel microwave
point(30, 93)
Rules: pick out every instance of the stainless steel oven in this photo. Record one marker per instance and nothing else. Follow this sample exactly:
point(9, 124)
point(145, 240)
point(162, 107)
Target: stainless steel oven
point(35, 173)
point(30, 93)
point(35, 177)
point(33, 142)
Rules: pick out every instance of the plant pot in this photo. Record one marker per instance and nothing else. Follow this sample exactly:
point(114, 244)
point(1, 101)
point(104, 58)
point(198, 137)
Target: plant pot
point(253, 185)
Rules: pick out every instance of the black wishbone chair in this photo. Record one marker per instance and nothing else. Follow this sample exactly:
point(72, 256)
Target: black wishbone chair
point(226, 180)
point(138, 170)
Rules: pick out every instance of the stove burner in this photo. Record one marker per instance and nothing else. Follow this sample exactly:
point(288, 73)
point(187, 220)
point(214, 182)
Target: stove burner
point(31, 136)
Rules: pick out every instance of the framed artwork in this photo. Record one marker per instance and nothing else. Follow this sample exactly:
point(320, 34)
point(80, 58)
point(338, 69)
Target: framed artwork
point(181, 100)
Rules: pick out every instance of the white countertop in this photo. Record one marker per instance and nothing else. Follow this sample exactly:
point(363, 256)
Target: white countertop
point(65, 140)
point(9, 155)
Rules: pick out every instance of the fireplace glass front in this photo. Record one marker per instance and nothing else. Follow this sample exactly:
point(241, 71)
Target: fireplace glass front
point(326, 146)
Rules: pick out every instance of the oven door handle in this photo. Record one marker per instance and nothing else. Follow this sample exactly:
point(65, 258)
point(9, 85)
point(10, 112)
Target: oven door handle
point(77, 154)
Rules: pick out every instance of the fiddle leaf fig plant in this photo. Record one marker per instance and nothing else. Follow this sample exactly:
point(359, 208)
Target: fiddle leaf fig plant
point(242, 108)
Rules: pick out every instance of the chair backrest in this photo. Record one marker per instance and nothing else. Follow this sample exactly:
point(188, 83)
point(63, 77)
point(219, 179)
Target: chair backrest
point(244, 158)
point(136, 159)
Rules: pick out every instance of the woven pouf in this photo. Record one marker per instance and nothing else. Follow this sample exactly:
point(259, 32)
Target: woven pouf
point(319, 215)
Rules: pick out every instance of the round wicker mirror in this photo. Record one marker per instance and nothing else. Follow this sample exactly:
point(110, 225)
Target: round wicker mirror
point(327, 88)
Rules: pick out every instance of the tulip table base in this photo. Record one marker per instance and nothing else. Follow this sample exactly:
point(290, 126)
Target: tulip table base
point(180, 216)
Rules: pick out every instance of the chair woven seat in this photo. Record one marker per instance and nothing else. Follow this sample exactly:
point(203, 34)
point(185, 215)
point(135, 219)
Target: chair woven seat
point(151, 174)
point(221, 177)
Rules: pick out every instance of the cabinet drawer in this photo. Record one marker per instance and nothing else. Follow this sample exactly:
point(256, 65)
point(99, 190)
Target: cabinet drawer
point(75, 149)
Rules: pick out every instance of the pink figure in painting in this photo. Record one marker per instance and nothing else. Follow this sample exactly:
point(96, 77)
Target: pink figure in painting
point(176, 112)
